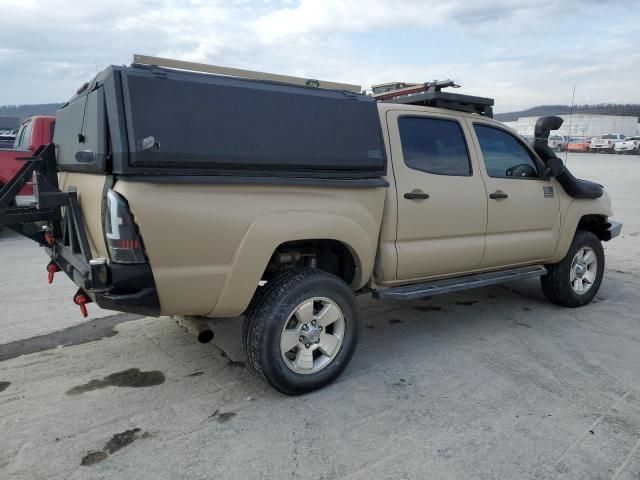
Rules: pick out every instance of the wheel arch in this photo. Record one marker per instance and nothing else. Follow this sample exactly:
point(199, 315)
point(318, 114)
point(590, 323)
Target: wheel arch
point(269, 233)
point(581, 214)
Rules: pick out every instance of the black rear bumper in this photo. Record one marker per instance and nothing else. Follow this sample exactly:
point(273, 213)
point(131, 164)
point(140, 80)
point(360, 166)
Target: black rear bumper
point(124, 288)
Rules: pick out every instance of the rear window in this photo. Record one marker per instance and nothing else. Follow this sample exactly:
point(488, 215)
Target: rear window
point(609, 137)
point(80, 134)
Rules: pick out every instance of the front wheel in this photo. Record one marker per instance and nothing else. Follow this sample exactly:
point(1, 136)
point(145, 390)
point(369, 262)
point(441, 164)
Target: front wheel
point(301, 330)
point(575, 280)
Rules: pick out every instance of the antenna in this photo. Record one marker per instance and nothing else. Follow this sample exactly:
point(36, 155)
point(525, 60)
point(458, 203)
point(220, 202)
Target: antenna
point(566, 152)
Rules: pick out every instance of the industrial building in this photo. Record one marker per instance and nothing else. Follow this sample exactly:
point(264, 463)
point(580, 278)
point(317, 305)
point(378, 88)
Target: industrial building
point(583, 125)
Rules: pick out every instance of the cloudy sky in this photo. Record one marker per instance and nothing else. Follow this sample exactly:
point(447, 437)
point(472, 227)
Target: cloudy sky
point(521, 52)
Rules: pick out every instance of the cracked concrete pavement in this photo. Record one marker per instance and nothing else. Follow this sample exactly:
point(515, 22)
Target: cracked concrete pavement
point(491, 383)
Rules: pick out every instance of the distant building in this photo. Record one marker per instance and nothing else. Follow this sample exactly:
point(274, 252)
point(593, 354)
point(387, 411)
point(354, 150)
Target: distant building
point(582, 125)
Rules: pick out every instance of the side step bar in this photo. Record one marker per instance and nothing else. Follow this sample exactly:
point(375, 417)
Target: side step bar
point(439, 287)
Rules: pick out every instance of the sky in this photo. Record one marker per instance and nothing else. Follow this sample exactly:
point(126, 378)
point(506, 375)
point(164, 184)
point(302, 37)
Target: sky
point(521, 52)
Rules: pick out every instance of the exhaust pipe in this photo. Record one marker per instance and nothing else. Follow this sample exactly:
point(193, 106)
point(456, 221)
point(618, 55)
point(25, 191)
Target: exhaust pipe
point(196, 326)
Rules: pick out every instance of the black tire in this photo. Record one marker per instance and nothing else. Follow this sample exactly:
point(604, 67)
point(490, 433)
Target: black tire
point(556, 284)
point(272, 307)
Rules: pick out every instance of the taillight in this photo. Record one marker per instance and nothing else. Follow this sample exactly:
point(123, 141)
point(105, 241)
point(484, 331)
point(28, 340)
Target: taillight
point(123, 241)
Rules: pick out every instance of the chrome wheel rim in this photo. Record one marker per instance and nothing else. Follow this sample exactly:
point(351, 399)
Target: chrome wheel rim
point(584, 269)
point(312, 335)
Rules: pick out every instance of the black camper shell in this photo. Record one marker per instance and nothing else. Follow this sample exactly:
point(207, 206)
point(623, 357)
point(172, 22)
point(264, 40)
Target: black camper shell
point(150, 121)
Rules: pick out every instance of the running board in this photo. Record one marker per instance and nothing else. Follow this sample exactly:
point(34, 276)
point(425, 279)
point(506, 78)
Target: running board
point(439, 287)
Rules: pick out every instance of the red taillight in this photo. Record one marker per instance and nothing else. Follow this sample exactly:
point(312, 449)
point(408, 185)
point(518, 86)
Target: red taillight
point(121, 232)
point(126, 244)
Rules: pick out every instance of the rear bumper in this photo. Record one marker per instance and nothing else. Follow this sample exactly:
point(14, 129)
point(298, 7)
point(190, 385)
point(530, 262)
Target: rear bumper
point(125, 288)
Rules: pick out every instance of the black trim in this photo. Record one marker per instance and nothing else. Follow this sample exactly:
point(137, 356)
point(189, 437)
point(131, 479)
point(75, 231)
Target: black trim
point(612, 230)
point(128, 288)
point(257, 180)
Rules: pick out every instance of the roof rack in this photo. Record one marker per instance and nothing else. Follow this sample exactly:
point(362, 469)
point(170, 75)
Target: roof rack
point(430, 94)
point(237, 72)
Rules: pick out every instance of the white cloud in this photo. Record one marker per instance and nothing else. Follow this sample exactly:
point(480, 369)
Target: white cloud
point(522, 52)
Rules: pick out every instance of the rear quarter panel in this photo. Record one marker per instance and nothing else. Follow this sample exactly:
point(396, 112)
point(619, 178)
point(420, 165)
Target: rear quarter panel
point(208, 245)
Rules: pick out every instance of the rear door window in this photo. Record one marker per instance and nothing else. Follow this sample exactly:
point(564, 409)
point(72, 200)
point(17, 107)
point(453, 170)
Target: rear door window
point(434, 145)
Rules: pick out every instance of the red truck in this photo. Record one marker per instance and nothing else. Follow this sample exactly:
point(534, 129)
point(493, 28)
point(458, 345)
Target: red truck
point(33, 132)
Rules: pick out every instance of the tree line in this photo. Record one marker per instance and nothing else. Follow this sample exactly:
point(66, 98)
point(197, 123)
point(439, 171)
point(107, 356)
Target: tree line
point(621, 109)
point(23, 111)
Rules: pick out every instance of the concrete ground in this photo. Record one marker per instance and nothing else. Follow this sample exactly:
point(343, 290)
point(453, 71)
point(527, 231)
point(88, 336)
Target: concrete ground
point(492, 383)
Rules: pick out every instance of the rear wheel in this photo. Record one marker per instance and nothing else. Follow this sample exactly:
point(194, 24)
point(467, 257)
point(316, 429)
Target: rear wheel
point(301, 330)
point(575, 280)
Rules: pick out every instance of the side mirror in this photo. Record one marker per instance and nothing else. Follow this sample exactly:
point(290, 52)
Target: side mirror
point(555, 167)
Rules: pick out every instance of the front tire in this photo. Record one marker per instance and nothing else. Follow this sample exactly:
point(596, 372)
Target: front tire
point(301, 330)
point(575, 280)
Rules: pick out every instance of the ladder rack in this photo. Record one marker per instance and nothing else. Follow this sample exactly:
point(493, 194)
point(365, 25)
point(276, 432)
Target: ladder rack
point(237, 72)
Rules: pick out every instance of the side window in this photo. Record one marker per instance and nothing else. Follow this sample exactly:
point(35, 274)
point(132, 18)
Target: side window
point(434, 145)
point(504, 156)
point(22, 140)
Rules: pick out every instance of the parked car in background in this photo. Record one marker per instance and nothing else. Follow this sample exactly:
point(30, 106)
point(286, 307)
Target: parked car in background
point(606, 143)
point(559, 143)
point(630, 145)
point(580, 145)
point(33, 132)
point(7, 138)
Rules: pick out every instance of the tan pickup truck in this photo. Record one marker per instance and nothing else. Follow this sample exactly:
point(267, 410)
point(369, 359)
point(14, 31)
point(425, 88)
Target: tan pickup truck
point(168, 192)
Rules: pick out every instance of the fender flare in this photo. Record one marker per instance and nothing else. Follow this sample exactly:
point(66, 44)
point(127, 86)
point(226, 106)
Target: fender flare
point(576, 210)
point(267, 232)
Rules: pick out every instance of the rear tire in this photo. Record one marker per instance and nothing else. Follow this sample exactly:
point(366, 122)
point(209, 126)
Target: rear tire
point(575, 280)
point(301, 330)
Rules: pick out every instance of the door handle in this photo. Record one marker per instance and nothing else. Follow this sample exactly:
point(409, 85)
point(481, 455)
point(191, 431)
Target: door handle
point(416, 195)
point(498, 194)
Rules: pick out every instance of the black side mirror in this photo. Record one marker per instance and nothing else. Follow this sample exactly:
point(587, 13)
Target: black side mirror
point(555, 167)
